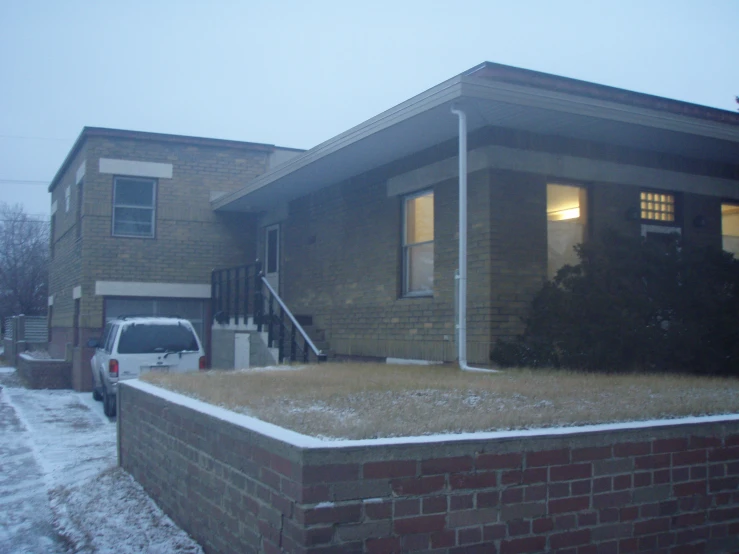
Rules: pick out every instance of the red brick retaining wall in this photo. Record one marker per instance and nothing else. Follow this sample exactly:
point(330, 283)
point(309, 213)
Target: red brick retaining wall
point(662, 488)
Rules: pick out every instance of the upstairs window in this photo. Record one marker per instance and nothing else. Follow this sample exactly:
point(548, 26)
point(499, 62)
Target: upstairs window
point(418, 244)
point(730, 228)
point(134, 202)
point(658, 206)
point(566, 217)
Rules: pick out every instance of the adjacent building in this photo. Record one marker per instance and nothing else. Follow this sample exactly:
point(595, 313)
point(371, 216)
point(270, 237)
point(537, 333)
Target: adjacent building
point(132, 230)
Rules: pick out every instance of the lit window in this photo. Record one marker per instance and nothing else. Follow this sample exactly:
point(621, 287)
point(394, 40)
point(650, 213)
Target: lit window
point(133, 207)
point(657, 206)
point(418, 244)
point(730, 227)
point(566, 207)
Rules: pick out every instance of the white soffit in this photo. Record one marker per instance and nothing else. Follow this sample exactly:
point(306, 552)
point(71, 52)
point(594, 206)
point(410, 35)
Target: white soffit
point(160, 290)
point(136, 169)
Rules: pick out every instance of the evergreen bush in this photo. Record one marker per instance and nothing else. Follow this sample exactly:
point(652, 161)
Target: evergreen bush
point(634, 304)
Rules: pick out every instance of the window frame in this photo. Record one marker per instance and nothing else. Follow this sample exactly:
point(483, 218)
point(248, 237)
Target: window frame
point(404, 247)
point(154, 194)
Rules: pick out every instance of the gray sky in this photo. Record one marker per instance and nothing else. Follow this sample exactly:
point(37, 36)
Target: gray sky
point(297, 73)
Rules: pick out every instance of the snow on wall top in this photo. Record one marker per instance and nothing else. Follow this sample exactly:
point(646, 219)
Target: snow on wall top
point(305, 441)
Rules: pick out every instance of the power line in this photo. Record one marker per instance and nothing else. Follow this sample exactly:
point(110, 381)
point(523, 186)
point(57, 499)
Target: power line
point(22, 182)
point(32, 138)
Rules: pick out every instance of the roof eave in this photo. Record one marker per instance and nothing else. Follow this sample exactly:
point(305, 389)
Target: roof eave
point(440, 94)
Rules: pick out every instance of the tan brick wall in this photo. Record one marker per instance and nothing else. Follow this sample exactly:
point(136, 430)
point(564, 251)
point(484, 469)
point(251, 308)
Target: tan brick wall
point(65, 267)
point(342, 252)
point(190, 239)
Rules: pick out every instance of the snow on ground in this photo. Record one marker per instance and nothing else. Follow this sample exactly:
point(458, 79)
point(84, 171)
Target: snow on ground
point(60, 488)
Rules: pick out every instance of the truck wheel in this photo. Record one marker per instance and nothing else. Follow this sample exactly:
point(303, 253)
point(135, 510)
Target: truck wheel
point(96, 394)
point(106, 403)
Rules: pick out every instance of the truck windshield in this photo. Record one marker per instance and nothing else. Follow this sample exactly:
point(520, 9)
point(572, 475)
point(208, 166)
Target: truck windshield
point(148, 339)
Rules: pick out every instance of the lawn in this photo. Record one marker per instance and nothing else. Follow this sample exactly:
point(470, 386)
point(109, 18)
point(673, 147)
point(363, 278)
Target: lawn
point(367, 400)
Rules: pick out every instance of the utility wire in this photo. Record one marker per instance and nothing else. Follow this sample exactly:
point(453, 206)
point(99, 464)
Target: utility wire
point(22, 182)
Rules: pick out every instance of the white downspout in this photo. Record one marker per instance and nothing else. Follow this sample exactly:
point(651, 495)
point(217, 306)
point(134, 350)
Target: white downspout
point(462, 298)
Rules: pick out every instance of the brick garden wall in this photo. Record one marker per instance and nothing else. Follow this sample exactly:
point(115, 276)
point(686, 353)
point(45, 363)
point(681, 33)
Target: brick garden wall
point(44, 374)
point(663, 488)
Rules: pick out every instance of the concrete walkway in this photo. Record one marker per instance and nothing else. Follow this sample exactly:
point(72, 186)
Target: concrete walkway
point(60, 488)
point(25, 515)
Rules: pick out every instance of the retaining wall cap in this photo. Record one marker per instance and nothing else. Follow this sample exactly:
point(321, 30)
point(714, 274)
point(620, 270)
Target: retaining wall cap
point(308, 442)
point(29, 358)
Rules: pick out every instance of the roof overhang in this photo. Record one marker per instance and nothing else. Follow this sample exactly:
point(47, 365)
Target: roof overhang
point(426, 120)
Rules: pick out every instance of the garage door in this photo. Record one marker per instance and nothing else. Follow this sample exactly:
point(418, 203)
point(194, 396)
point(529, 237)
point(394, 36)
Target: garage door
point(186, 308)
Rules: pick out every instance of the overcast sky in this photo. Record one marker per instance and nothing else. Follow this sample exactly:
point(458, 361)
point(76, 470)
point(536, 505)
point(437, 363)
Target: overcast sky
point(297, 73)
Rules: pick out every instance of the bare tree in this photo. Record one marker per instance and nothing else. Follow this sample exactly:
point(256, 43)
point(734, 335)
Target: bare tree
point(24, 262)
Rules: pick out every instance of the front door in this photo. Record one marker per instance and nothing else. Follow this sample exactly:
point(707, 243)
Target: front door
point(272, 256)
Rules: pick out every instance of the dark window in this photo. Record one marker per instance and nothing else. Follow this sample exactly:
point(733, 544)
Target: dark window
point(52, 228)
point(133, 207)
point(148, 339)
point(80, 192)
point(272, 250)
point(51, 315)
point(77, 322)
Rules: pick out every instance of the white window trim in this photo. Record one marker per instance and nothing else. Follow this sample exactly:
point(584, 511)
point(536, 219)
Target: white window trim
point(153, 209)
point(406, 259)
point(67, 196)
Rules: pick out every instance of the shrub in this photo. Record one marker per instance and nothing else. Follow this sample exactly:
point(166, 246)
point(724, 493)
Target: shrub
point(634, 304)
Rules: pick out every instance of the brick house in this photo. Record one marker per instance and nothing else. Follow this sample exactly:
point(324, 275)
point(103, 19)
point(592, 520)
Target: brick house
point(365, 224)
point(133, 232)
point(359, 235)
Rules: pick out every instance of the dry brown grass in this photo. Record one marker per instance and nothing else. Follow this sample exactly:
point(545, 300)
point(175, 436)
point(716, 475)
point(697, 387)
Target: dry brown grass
point(377, 400)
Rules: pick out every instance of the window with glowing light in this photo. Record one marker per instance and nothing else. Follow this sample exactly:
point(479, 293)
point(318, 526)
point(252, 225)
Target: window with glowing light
point(566, 218)
point(657, 206)
point(418, 244)
point(730, 228)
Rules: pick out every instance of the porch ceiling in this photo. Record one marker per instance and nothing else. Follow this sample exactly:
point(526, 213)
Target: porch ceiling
point(426, 120)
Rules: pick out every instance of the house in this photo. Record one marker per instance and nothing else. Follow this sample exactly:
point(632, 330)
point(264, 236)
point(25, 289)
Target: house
point(358, 237)
point(132, 231)
point(365, 225)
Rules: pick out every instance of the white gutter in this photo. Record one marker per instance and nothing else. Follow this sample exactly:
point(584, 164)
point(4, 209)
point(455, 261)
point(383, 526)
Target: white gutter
point(462, 299)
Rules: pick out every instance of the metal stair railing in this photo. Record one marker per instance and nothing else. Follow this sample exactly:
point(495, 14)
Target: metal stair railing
point(286, 323)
